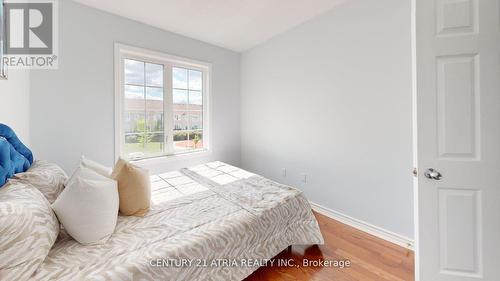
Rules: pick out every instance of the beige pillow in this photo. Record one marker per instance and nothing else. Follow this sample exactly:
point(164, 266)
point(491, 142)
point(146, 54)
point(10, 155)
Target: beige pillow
point(134, 188)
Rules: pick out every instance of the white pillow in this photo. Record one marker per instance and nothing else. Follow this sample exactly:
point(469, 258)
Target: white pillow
point(96, 167)
point(88, 206)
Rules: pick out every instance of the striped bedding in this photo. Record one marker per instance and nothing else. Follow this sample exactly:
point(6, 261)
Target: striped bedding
point(208, 222)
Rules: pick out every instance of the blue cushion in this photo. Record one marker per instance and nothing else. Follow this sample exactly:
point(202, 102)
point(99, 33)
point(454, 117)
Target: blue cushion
point(15, 157)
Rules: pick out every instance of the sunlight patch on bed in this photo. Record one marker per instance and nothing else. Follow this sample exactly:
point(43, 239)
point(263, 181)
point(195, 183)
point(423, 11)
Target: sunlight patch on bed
point(173, 185)
point(221, 173)
point(224, 179)
point(170, 186)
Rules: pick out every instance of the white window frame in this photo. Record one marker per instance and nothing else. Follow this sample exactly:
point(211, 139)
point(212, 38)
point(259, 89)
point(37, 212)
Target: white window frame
point(123, 52)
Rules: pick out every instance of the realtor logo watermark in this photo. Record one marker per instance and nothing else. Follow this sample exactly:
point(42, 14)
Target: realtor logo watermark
point(31, 33)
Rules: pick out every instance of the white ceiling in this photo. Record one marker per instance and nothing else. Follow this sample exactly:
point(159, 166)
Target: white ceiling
point(233, 24)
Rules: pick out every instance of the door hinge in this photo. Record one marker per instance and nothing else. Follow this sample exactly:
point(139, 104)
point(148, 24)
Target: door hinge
point(415, 172)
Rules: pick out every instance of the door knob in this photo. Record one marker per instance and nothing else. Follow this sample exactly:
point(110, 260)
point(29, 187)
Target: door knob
point(433, 174)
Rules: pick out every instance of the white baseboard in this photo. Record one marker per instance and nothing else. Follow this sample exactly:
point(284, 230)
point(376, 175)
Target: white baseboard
point(366, 227)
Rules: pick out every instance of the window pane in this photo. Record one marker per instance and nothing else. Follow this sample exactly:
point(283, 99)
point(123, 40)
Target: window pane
point(135, 132)
point(196, 139)
point(180, 96)
point(155, 94)
point(180, 120)
point(154, 122)
point(195, 80)
point(134, 72)
point(134, 122)
point(154, 108)
point(154, 75)
point(179, 78)
point(133, 147)
point(195, 97)
point(134, 92)
point(180, 141)
point(135, 108)
point(154, 143)
point(188, 109)
point(195, 120)
point(143, 109)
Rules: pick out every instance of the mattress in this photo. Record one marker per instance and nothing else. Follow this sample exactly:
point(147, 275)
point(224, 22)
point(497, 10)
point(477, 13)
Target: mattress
point(209, 222)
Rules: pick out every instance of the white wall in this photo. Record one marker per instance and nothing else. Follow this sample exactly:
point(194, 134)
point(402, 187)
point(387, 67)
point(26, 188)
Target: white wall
point(72, 108)
point(15, 103)
point(332, 99)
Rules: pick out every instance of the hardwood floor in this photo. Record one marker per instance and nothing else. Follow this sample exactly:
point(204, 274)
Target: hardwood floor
point(371, 258)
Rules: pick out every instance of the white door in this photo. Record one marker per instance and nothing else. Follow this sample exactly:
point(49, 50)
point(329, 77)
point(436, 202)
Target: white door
point(458, 135)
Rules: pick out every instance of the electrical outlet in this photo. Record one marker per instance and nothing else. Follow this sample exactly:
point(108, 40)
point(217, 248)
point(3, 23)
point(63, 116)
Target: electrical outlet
point(283, 172)
point(304, 178)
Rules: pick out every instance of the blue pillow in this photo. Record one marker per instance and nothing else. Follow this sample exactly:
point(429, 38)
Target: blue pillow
point(15, 157)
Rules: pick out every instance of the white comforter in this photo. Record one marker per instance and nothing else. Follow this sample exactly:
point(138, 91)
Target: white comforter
point(210, 222)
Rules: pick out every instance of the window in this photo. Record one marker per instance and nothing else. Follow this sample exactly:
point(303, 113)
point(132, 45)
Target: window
point(161, 104)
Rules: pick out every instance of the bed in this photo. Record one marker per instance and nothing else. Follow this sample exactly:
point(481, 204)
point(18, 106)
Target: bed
point(209, 222)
